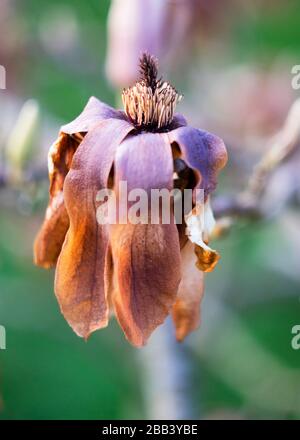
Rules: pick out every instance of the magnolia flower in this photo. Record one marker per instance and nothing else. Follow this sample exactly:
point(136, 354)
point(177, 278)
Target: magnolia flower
point(163, 28)
point(140, 272)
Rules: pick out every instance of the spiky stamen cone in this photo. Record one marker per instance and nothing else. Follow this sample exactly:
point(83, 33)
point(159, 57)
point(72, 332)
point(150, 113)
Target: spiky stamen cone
point(151, 102)
point(149, 70)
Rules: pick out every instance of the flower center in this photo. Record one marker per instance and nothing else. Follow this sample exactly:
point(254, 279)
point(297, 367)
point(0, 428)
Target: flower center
point(151, 102)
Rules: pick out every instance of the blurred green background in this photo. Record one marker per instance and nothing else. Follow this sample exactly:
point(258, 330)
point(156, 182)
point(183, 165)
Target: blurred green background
point(243, 362)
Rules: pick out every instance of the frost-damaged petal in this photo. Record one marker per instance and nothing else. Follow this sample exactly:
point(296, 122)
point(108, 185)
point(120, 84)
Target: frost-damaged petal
point(51, 236)
point(79, 281)
point(186, 310)
point(52, 233)
point(146, 257)
point(204, 152)
point(94, 112)
point(200, 223)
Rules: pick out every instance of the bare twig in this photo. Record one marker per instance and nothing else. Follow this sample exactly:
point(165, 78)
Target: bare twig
point(284, 145)
point(248, 204)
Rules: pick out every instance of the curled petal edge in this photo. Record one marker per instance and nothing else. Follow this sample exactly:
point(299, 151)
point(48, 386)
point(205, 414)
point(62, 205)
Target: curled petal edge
point(200, 223)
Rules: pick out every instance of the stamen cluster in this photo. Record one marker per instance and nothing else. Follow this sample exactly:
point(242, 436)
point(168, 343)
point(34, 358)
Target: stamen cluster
point(151, 102)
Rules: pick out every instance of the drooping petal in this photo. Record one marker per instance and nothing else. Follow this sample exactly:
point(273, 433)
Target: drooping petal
point(147, 269)
point(146, 257)
point(94, 112)
point(204, 152)
point(79, 281)
point(50, 238)
point(60, 157)
point(186, 310)
point(200, 223)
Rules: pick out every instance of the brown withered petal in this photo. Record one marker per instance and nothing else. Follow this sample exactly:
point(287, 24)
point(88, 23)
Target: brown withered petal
point(50, 238)
point(202, 151)
point(62, 151)
point(49, 241)
point(79, 283)
point(207, 258)
point(59, 161)
point(186, 310)
point(146, 257)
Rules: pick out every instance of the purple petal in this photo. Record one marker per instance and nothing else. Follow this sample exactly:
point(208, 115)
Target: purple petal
point(145, 161)
point(178, 121)
point(203, 152)
point(94, 112)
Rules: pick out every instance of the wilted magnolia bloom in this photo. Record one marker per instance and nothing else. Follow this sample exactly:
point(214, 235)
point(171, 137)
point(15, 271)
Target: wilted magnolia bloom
point(140, 272)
